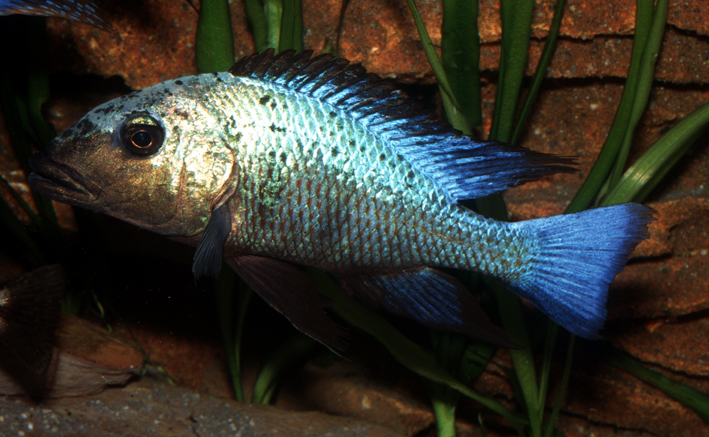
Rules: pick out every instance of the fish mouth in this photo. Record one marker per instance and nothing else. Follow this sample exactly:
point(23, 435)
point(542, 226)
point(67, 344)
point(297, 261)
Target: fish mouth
point(60, 182)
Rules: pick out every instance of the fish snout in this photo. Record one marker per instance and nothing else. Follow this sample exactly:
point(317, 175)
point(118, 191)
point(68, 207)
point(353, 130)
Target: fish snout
point(60, 182)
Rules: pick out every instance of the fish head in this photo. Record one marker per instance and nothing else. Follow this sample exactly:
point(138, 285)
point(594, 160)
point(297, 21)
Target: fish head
point(154, 158)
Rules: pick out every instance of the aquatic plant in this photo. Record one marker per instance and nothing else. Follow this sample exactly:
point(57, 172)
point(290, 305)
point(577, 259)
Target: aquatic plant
point(457, 361)
point(459, 358)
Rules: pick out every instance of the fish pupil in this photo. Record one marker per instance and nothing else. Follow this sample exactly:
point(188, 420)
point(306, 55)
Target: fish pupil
point(142, 139)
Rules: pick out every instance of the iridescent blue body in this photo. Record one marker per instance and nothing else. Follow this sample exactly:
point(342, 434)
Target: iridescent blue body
point(320, 188)
point(297, 160)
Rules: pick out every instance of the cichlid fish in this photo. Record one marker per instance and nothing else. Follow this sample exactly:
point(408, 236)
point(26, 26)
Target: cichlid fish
point(289, 160)
point(29, 316)
point(86, 11)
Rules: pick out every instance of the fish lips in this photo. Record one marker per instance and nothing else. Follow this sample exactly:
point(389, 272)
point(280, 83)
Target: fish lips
point(60, 182)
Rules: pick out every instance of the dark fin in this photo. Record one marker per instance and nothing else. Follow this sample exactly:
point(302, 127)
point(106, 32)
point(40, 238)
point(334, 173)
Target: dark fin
point(579, 255)
point(208, 256)
point(29, 316)
point(288, 289)
point(89, 12)
point(464, 168)
point(430, 297)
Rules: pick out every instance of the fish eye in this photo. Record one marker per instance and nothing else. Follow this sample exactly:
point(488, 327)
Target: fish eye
point(142, 134)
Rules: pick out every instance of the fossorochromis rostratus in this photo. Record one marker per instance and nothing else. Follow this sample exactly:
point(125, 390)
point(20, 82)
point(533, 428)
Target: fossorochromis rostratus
point(293, 159)
point(85, 11)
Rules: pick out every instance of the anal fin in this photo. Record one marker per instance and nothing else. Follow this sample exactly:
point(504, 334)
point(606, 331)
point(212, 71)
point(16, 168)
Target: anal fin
point(289, 290)
point(428, 296)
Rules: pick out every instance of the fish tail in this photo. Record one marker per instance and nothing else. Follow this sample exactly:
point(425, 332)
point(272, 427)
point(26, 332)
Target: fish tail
point(576, 258)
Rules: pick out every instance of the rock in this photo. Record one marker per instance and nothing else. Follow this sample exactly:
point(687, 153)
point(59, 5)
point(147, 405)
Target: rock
point(596, 39)
point(153, 408)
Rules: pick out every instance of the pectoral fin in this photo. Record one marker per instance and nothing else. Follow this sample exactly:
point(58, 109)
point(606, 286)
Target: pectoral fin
point(430, 297)
point(208, 256)
point(289, 290)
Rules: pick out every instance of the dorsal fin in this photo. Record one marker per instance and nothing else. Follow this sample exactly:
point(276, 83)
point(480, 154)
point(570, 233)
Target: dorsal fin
point(464, 168)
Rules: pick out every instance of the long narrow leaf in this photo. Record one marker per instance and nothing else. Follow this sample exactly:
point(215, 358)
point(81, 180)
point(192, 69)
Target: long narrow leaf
point(214, 45)
point(292, 26)
point(449, 349)
point(644, 85)
point(523, 358)
point(516, 18)
point(562, 388)
point(224, 292)
point(443, 408)
point(460, 55)
point(257, 21)
point(15, 111)
point(273, 12)
point(647, 171)
point(455, 115)
point(291, 352)
point(604, 163)
point(540, 73)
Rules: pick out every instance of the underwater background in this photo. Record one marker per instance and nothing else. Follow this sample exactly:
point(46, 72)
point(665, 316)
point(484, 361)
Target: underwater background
point(658, 306)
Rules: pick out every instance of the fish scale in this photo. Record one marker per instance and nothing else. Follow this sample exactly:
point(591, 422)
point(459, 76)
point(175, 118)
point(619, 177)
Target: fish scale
point(291, 159)
point(397, 194)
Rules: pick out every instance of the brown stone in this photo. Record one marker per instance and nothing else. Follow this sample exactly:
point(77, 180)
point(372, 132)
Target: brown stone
point(151, 408)
point(596, 38)
point(602, 394)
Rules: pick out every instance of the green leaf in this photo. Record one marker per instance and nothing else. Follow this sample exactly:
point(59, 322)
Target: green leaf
point(460, 55)
point(646, 76)
point(290, 353)
point(449, 348)
point(648, 170)
point(231, 322)
point(540, 73)
point(257, 21)
point(562, 387)
point(523, 358)
point(273, 12)
point(292, 26)
point(453, 111)
point(516, 18)
point(16, 112)
point(605, 161)
point(214, 45)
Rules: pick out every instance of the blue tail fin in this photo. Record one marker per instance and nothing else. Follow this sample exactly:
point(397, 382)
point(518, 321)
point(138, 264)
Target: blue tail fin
point(575, 259)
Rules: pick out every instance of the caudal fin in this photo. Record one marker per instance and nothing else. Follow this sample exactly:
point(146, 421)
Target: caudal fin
point(576, 258)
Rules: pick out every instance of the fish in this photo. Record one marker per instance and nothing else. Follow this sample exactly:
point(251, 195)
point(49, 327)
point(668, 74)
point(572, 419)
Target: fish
point(290, 160)
point(93, 12)
point(85, 11)
point(30, 310)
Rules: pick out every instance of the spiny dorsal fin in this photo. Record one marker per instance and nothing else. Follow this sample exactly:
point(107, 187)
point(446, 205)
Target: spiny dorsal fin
point(464, 168)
